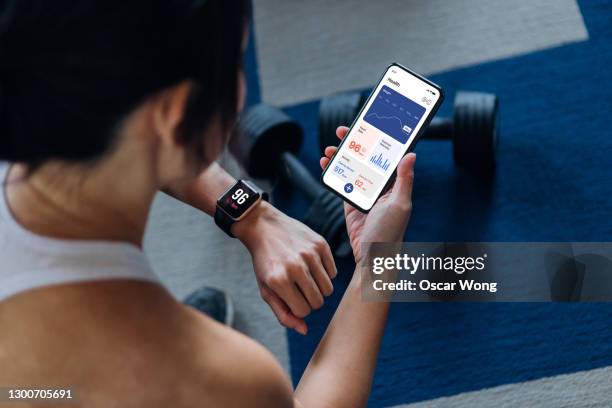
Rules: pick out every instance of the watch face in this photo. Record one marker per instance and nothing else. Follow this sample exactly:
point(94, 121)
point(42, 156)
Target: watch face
point(238, 199)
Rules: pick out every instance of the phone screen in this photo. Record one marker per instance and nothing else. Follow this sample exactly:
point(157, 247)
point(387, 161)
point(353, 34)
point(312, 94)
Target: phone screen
point(382, 133)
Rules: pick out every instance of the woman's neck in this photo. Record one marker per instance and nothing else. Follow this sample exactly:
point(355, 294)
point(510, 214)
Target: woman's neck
point(109, 201)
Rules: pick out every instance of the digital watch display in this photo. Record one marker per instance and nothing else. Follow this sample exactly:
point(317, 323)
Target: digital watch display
point(236, 203)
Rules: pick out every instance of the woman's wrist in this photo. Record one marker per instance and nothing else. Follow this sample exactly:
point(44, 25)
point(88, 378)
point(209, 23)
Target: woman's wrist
point(246, 230)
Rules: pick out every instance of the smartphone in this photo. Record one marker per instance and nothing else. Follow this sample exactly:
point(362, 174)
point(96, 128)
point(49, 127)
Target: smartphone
point(387, 127)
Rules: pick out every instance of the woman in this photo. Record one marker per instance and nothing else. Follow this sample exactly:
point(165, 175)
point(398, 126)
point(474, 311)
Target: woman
point(102, 104)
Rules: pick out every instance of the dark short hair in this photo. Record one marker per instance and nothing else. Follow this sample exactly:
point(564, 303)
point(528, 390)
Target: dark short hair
point(71, 70)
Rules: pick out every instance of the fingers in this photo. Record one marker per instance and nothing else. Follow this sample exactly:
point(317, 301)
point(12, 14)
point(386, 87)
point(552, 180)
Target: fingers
point(405, 177)
point(315, 282)
point(324, 162)
point(310, 289)
point(282, 311)
point(327, 258)
point(320, 276)
point(330, 151)
point(285, 287)
point(296, 301)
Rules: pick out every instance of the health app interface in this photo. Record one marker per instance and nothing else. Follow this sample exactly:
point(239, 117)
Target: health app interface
point(380, 136)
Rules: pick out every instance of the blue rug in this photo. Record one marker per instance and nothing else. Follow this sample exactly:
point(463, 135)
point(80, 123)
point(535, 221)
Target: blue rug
point(553, 183)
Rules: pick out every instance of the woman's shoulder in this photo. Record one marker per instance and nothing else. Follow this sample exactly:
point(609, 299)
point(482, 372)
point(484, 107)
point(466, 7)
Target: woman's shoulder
point(195, 361)
point(234, 369)
point(133, 343)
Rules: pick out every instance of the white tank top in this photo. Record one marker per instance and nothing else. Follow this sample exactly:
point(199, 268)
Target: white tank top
point(29, 261)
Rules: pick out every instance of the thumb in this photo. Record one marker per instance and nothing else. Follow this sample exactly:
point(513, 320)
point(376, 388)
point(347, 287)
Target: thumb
point(404, 180)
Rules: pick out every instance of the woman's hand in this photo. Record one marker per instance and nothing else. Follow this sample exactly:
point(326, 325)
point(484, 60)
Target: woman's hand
point(387, 220)
point(293, 264)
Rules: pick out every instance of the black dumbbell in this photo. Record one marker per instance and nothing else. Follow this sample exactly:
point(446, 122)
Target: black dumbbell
point(473, 128)
point(337, 110)
point(266, 144)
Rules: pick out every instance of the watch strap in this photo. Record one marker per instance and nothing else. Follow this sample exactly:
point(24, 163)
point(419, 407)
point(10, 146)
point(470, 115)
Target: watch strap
point(224, 221)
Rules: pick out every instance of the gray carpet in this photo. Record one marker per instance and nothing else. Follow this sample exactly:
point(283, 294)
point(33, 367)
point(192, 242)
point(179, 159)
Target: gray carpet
point(329, 46)
point(582, 389)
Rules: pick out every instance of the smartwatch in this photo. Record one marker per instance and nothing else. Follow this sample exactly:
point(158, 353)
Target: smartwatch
point(236, 203)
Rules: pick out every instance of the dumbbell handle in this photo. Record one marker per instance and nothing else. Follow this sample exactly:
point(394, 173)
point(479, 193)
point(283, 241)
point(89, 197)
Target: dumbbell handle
point(294, 173)
point(439, 129)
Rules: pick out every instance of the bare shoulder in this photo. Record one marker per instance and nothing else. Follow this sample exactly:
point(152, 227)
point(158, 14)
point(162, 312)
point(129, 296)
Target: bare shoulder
point(154, 353)
point(226, 368)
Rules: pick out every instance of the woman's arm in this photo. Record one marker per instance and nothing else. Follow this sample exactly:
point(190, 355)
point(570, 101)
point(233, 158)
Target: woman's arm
point(340, 371)
point(293, 265)
point(203, 192)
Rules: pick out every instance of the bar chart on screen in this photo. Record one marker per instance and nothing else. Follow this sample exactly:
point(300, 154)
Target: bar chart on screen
point(380, 161)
